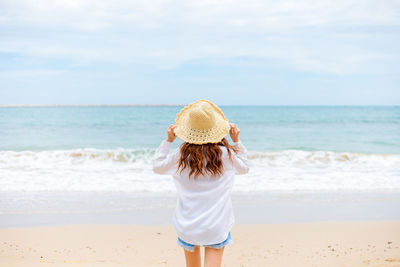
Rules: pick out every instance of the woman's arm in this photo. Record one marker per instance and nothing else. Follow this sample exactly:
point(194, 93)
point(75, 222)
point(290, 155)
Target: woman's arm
point(162, 162)
point(240, 158)
point(240, 162)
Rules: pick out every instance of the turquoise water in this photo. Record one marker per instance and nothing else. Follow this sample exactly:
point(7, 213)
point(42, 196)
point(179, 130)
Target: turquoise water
point(346, 129)
point(90, 149)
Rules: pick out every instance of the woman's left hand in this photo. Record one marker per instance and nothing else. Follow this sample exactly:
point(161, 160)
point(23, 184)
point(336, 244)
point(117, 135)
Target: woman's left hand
point(171, 135)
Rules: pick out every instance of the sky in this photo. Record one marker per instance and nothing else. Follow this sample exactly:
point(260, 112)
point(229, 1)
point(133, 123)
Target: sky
point(254, 52)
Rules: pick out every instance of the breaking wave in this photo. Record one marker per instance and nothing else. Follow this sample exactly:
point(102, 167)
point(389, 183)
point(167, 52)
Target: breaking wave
point(91, 169)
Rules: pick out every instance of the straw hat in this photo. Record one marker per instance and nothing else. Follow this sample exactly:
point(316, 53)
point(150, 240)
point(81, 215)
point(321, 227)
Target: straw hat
point(201, 122)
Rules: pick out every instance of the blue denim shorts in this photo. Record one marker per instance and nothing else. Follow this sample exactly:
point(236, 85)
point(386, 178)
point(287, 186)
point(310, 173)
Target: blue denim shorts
point(191, 247)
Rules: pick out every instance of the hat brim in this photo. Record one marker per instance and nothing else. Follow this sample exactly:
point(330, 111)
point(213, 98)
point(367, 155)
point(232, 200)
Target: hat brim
point(195, 136)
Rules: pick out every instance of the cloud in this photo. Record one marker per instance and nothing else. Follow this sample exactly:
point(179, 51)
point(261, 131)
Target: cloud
point(337, 37)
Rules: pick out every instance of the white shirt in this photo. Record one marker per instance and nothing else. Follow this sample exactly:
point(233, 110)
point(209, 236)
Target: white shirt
point(204, 213)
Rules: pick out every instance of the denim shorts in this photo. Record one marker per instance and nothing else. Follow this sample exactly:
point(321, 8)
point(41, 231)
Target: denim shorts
point(191, 247)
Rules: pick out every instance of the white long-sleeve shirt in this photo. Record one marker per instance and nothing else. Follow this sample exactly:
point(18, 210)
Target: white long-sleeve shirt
point(204, 213)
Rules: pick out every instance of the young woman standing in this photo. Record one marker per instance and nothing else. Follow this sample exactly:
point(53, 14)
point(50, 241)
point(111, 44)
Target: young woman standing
point(203, 168)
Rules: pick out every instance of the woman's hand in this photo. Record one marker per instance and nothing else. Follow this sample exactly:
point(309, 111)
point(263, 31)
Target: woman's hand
point(234, 132)
point(171, 135)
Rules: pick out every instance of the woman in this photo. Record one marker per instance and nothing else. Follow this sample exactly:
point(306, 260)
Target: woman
point(203, 169)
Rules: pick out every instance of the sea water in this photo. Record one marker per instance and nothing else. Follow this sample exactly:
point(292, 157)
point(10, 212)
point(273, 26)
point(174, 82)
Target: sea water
point(110, 148)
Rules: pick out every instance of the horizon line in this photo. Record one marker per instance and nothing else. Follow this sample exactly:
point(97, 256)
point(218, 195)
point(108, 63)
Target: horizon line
point(160, 105)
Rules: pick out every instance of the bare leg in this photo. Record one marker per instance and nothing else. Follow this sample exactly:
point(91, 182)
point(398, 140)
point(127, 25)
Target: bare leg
point(193, 259)
point(213, 257)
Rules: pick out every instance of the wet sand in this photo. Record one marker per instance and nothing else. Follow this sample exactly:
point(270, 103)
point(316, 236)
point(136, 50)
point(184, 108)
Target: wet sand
point(345, 244)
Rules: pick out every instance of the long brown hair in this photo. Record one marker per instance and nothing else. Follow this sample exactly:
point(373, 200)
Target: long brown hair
point(195, 156)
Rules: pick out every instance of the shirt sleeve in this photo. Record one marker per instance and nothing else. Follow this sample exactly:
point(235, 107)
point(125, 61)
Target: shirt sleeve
point(240, 162)
point(163, 162)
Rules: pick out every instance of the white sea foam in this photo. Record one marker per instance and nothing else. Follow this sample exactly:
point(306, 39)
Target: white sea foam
point(130, 170)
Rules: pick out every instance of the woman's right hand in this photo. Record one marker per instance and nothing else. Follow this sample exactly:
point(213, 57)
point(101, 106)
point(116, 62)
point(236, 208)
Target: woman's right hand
point(234, 132)
point(171, 135)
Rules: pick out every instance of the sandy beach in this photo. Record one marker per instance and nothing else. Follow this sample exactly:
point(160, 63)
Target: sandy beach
point(352, 243)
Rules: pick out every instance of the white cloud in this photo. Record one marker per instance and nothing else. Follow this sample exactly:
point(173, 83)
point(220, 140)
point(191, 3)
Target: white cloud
point(316, 36)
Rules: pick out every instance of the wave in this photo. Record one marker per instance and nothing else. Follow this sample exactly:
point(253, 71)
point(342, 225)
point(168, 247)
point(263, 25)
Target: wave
point(323, 157)
point(122, 155)
point(76, 156)
point(90, 169)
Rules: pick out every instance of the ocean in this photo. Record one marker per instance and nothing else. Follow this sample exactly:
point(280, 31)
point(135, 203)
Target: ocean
point(109, 148)
point(92, 164)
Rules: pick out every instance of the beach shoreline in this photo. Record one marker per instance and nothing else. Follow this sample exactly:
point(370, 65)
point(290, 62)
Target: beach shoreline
point(77, 184)
point(26, 209)
point(351, 243)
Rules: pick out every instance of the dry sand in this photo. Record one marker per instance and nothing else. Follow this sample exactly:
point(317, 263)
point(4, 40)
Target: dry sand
point(339, 244)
